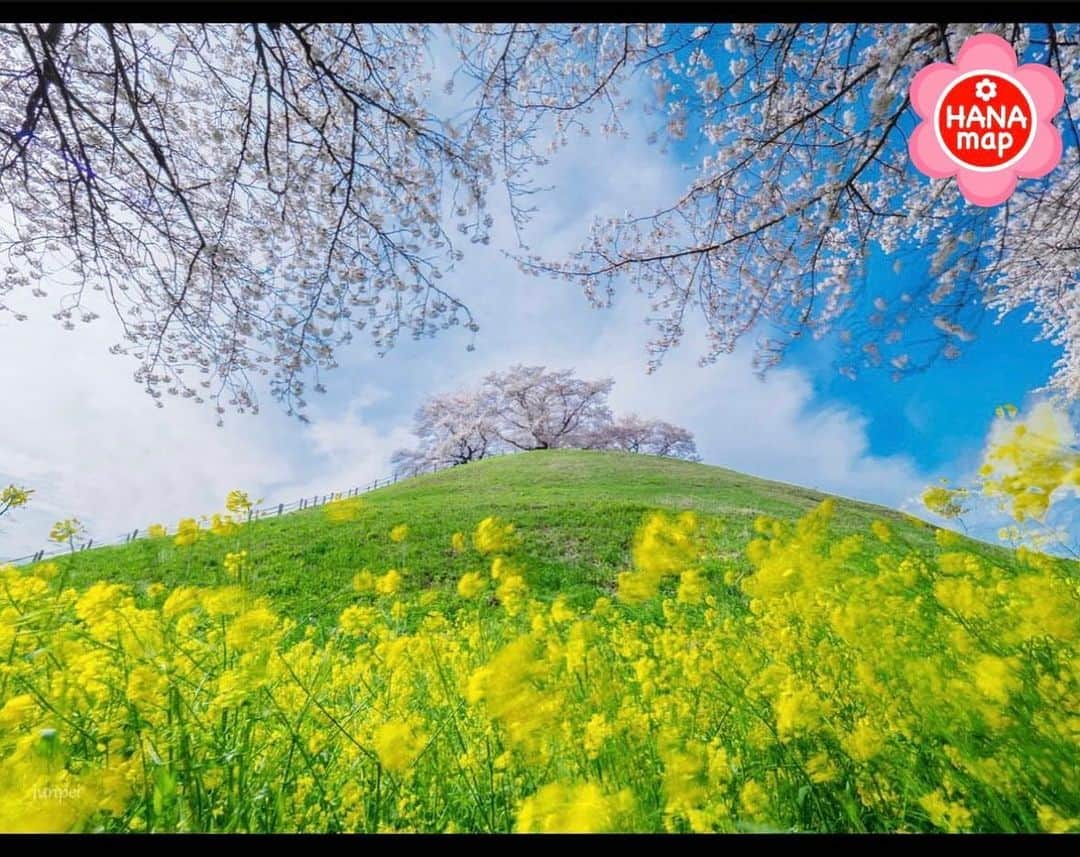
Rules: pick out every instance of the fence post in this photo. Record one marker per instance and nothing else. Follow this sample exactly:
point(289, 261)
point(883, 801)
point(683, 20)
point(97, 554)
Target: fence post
point(253, 514)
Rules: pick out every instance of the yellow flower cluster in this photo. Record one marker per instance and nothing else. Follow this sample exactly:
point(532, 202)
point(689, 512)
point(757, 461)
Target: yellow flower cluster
point(944, 501)
point(238, 502)
point(187, 532)
point(1029, 460)
point(14, 496)
point(663, 546)
point(825, 682)
point(236, 565)
point(344, 509)
point(493, 535)
point(66, 531)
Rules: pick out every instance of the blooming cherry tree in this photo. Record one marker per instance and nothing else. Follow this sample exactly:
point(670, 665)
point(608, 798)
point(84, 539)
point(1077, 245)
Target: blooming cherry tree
point(631, 433)
point(541, 409)
point(531, 408)
point(453, 428)
point(796, 139)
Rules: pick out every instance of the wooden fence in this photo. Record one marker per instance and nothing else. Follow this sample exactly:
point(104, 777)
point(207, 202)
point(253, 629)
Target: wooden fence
point(271, 510)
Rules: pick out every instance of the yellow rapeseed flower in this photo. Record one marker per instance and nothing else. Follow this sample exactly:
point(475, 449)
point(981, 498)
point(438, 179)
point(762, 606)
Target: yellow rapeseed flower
point(950, 816)
point(493, 535)
point(597, 731)
point(17, 710)
point(753, 799)
point(471, 584)
point(389, 583)
point(357, 619)
point(573, 808)
point(1053, 822)
point(397, 745)
point(881, 530)
point(252, 628)
point(238, 502)
point(187, 532)
point(179, 601)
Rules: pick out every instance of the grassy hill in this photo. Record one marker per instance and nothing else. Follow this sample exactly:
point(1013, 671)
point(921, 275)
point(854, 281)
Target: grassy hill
point(575, 510)
point(902, 681)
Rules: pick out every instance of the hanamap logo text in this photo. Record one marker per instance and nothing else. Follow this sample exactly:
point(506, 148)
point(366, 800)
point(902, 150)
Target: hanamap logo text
point(986, 120)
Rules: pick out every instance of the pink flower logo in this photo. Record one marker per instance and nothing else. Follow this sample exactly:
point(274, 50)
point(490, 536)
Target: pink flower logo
point(985, 120)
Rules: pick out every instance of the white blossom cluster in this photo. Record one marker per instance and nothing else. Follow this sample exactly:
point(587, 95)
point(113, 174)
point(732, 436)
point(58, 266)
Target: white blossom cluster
point(532, 408)
point(801, 173)
point(247, 197)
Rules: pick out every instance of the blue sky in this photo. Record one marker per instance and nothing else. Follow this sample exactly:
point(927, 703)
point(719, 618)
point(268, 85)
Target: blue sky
point(78, 430)
point(938, 418)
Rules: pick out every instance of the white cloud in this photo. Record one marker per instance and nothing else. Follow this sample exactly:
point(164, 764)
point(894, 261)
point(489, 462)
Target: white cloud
point(80, 432)
point(772, 428)
point(349, 452)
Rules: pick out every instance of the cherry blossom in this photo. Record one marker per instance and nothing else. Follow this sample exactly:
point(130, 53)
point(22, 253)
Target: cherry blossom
point(247, 198)
point(531, 408)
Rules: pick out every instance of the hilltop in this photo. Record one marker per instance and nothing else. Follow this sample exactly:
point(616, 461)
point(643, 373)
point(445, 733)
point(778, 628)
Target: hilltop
point(576, 512)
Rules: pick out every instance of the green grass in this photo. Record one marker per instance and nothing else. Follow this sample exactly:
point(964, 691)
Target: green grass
point(576, 512)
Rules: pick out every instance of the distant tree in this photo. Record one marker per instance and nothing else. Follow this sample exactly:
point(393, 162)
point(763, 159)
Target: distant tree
point(541, 409)
point(531, 408)
point(631, 433)
point(453, 428)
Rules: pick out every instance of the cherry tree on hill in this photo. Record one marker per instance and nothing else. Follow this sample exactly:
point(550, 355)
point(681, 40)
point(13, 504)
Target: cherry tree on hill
point(453, 428)
point(531, 408)
point(246, 198)
point(541, 409)
point(631, 433)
